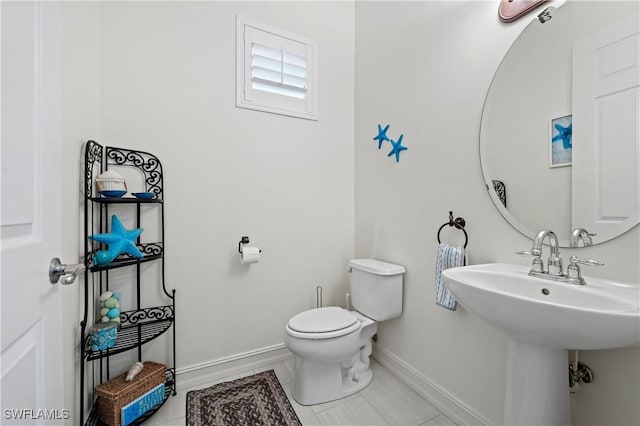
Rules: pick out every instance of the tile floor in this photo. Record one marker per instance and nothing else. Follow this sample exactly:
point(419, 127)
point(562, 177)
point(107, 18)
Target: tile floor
point(386, 401)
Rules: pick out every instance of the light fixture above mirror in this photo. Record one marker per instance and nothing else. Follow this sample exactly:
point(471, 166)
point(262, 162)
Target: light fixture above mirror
point(512, 10)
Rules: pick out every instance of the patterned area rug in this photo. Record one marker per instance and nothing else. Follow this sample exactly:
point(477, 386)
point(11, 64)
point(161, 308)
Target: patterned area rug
point(252, 400)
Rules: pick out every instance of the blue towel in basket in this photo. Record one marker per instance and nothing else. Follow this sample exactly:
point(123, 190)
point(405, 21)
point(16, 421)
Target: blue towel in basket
point(448, 257)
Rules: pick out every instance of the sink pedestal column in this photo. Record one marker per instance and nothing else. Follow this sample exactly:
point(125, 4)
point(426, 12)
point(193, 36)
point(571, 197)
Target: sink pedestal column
point(537, 385)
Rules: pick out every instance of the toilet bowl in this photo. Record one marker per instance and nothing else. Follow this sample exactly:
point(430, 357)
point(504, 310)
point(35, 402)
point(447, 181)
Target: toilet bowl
point(332, 360)
point(332, 345)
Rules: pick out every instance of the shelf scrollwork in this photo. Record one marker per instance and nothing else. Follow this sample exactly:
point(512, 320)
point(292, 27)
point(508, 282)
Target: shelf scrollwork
point(151, 249)
point(156, 313)
point(148, 163)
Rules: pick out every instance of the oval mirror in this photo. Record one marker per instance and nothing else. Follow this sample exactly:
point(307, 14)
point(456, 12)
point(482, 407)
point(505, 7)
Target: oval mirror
point(559, 137)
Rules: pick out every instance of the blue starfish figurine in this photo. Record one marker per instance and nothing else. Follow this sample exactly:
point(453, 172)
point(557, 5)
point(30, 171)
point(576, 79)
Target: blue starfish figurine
point(397, 148)
point(119, 241)
point(382, 135)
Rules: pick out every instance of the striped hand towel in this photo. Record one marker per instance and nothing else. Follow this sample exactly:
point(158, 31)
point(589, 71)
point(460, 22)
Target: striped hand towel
point(448, 257)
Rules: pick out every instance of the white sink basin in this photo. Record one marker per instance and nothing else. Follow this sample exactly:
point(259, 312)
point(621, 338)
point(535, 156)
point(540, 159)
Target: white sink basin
point(543, 319)
point(599, 315)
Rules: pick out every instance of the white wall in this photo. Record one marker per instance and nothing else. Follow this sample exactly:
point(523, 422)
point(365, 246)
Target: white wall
point(160, 77)
point(80, 121)
point(167, 85)
point(425, 68)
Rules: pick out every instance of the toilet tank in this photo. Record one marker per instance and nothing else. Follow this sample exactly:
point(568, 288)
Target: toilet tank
point(376, 288)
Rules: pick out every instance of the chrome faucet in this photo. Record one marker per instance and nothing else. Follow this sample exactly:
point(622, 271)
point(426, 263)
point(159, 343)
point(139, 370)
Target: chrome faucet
point(554, 264)
point(581, 234)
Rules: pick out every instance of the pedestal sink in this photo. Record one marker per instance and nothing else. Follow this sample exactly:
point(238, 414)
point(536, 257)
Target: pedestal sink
point(543, 319)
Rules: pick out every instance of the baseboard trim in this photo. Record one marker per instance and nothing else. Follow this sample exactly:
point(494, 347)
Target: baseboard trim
point(450, 406)
point(215, 369)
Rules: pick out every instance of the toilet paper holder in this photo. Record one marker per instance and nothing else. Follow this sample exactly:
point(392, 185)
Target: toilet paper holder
point(243, 240)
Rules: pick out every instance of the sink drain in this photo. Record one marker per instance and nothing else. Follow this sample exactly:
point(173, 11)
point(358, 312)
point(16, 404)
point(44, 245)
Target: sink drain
point(545, 291)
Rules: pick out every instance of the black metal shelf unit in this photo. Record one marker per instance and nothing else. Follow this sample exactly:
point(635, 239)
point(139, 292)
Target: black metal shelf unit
point(142, 324)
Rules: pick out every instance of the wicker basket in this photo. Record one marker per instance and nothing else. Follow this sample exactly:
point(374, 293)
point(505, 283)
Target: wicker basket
point(116, 393)
point(111, 181)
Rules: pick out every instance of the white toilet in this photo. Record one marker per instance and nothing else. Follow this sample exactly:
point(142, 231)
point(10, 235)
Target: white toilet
point(333, 345)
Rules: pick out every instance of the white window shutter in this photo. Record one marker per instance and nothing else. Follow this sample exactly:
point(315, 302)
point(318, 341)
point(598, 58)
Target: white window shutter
point(278, 71)
point(275, 71)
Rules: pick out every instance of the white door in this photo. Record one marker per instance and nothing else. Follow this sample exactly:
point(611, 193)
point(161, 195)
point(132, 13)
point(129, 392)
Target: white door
point(31, 357)
point(606, 129)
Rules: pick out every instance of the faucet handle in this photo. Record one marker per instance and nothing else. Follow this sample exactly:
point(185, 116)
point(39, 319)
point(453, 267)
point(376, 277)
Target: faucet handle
point(536, 263)
point(533, 252)
point(574, 275)
point(573, 260)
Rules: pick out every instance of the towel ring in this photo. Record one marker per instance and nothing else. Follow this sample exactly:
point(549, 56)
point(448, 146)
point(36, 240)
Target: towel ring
point(458, 223)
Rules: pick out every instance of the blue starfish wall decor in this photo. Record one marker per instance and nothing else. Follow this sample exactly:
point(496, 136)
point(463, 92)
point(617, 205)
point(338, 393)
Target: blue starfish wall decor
point(397, 148)
point(119, 241)
point(382, 135)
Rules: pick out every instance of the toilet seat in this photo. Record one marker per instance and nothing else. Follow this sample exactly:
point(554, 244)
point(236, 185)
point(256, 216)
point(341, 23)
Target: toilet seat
point(323, 323)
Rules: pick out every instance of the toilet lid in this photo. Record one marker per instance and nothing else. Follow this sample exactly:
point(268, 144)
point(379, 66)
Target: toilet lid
point(322, 320)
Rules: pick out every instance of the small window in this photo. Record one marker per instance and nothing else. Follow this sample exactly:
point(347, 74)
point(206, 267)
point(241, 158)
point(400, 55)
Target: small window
point(275, 71)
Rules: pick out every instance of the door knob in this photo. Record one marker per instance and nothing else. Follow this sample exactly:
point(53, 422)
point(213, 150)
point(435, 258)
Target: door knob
point(68, 273)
